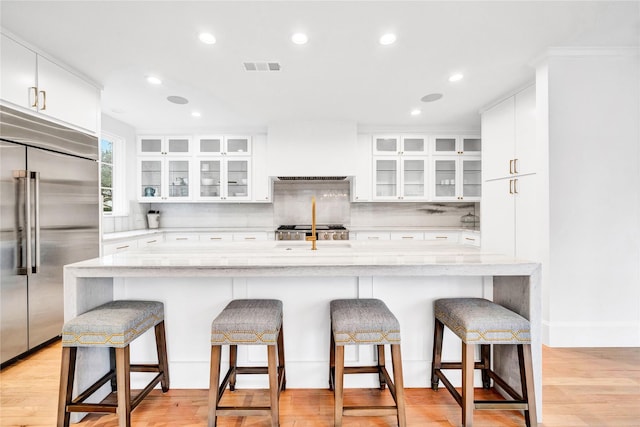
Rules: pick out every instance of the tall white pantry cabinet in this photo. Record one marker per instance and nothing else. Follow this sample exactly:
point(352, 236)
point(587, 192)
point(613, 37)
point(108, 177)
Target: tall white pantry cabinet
point(509, 180)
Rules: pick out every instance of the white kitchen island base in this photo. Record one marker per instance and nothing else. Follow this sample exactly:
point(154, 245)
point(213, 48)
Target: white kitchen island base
point(196, 282)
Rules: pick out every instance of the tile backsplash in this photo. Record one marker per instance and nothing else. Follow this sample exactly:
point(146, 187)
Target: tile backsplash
point(292, 205)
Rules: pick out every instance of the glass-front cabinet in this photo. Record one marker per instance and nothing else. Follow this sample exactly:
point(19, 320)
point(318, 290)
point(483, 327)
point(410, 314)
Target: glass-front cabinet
point(456, 178)
point(400, 178)
point(402, 145)
point(223, 179)
point(456, 145)
point(164, 179)
point(230, 145)
point(160, 145)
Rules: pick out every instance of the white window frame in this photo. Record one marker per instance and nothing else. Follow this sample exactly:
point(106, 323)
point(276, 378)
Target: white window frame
point(118, 180)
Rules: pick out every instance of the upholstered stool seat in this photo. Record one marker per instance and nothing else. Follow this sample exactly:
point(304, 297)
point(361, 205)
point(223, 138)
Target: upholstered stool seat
point(114, 325)
point(368, 322)
point(483, 322)
point(247, 322)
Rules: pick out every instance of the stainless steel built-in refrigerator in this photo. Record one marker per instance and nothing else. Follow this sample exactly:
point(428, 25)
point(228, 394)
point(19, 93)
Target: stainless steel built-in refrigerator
point(49, 217)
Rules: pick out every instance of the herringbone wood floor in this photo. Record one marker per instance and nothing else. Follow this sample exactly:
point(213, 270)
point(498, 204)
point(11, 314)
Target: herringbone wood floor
point(581, 387)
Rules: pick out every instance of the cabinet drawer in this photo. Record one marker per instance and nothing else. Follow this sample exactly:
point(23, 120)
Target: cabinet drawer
point(250, 236)
point(150, 240)
point(373, 235)
point(182, 237)
point(471, 239)
point(442, 236)
point(407, 235)
point(216, 237)
point(112, 248)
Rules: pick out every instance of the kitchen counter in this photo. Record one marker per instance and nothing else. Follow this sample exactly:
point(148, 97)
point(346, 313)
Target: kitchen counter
point(108, 237)
point(196, 280)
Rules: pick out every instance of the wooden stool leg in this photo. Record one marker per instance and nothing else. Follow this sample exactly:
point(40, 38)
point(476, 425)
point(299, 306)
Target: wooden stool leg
point(398, 381)
point(338, 392)
point(528, 390)
point(124, 386)
point(436, 362)
point(214, 383)
point(281, 366)
point(332, 363)
point(233, 364)
point(468, 361)
point(273, 385)
point(485, 358)
point(112, 368)
point(381, 362)
point(161, 348)
point(67, 374)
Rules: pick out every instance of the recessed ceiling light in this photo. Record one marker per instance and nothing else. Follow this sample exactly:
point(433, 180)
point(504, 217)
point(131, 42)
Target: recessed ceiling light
point(154, 80)
point(387, 39)
point(299, 38)
point(196, 114)
point(177, 99)
point(456, 77)
point(416, 112)
point(431, 97)
point(207, 38)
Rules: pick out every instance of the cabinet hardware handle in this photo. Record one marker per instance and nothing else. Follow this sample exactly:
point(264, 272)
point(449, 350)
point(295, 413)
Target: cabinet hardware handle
point(182, 238)
point(249, 238)
point(151, 241)
point(511, 166)
point(44, 100)
point(510, 186)
point(408, 237)
point(215, 238)
point(122, 247)
point(515, 186)
point(35, 96)
point(469, 238)
point(441, 237)
point(515, 165)
point(373, 238)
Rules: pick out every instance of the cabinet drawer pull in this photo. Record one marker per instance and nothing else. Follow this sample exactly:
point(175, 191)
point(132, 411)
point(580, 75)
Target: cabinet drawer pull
point(408, 237)
point(511, 166)
point(510, 186)
point(35, 96)
point(249, 238)
point(44, 100)
point(151, 241)
point(182, 238)
point(215, 238)
point(122, 247)
point(515, 165)
point(441, 237)
point(515, 186)
point(469, 238)
point(373, 238)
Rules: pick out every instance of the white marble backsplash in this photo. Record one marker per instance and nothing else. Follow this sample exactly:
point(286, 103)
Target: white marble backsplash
point(292, 205)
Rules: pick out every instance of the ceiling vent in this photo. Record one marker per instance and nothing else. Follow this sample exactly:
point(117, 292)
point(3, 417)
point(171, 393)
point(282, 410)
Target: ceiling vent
point(262, 66)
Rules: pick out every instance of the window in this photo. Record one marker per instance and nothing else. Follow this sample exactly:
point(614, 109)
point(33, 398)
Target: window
point(111, 175)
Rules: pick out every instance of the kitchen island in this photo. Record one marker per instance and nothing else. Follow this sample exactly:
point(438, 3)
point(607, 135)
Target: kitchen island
point(196, 280)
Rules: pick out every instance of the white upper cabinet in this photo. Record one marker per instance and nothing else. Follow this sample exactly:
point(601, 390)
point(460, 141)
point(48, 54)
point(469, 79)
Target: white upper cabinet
point(32, 82)
point(162, 146)
point(211, 145)
point(449, 145)
point(401, 145)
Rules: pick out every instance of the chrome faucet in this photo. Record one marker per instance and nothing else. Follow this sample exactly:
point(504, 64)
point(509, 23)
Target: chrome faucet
point(313, 238)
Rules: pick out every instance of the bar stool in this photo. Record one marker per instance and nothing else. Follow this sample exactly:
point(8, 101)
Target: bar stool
point(480, 321)
point(114, 325)
point(365, 321)
point(247, 322)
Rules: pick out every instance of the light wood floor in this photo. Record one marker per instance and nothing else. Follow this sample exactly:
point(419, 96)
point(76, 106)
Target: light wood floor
point(581, 387)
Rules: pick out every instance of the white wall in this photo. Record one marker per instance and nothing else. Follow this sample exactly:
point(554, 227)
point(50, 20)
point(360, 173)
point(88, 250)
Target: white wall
point(592, 294)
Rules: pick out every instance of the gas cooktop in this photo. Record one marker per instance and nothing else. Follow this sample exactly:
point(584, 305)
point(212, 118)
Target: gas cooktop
point(323, 232)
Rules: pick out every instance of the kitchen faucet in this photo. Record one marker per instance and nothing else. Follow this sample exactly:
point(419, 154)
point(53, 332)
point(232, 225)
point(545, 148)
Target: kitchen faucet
point(313, 238)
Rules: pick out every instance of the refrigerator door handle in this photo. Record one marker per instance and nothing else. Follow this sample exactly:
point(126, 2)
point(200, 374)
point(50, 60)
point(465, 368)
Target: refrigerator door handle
point(23, 178)
point(35, 267)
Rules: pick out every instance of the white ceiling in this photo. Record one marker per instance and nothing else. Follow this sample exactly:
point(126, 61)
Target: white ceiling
point(343, 73)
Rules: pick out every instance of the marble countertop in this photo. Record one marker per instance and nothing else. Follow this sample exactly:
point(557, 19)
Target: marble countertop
point(278, 258)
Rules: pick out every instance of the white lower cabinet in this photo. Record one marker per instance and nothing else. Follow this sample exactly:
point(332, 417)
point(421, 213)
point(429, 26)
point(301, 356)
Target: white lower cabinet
point(250, 236)
point(182, 237)
point(442, 236)
point(150, 240)
point(470, 238)
point(115, 247)
point(216, 237)
point(406, 235)
point(373, 235)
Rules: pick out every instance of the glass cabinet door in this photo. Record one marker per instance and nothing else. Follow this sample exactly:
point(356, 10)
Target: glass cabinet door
point(150, 179)
point(238, 145)
point(414, 145)
point(445, 178)
point(445, 145)
point(210, 171)
point(471, 178)
point(178, 145)
point(386, 171)
point(413, 172)
point(471, 145)
point(386, 144)
point(178, 178)
point(150, 145)
point(209, 145)
point(238, 178)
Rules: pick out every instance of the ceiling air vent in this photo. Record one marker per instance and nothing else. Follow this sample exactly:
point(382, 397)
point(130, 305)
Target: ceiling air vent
point(262, 66)
point(312, 178)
